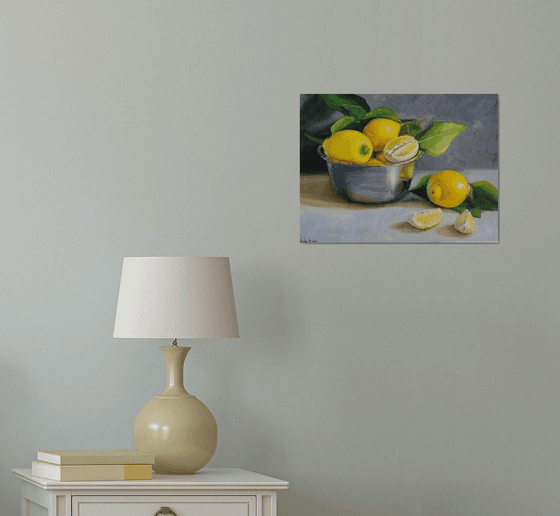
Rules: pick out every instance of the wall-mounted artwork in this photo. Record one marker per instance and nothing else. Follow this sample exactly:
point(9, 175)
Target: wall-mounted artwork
point(398, 168)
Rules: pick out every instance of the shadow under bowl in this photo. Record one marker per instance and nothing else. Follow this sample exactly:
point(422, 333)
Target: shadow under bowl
point(371, 185)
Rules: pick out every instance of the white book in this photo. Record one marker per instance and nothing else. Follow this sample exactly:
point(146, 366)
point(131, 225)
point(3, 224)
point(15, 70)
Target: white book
point(69, 457)
point(91, 472)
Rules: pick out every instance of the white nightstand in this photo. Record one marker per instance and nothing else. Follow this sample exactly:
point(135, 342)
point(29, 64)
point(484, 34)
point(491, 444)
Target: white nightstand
point(209, 492)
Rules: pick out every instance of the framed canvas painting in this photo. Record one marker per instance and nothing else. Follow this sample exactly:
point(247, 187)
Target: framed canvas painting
point(399, 168)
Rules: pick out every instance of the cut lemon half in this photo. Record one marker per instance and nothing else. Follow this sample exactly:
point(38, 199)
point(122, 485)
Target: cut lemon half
point(426, 219)
point(401, 149)
point(465, 223)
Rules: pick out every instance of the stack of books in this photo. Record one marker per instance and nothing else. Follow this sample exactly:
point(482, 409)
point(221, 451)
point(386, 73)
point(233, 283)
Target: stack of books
point(72, 465)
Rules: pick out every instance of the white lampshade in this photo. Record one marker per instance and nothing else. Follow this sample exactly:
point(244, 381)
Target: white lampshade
point(176, 297)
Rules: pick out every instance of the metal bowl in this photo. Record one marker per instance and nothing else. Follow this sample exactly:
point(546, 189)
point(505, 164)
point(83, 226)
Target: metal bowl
point(371, 185)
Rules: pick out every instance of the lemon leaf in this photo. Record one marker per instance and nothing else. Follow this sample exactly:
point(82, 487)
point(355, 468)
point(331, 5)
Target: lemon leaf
point(437, 137)
point(466, 205)
point(314, 139)
point(338, 102)
point(420, 188)
point(357, 112)
point(383, 112)
point(341, 123)
point(422, 183)
point(484, 195)
point(410, 127)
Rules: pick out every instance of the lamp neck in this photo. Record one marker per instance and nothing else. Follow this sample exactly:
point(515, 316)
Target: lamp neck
point(175, 358)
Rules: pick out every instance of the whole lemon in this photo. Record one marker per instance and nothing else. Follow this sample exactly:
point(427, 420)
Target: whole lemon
point(350, 146)
point(326, 146)
point(447, 188)
point(381, 157)
point(374, 162)
point(381, 131)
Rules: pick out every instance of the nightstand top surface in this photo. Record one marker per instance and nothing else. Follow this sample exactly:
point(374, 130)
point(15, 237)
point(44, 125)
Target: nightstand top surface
point(205, 479)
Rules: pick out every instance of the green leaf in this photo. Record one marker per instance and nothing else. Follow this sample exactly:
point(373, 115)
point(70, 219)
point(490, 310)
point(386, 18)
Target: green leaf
point(314, 139)
point(338, 102)
point(341, 123)
point(484, 195)
point(383, 112)
point(467, 205)
point(462, 207)
point(420, 188)
point(422, 183)
point(412, 127)
point(436, 139)
point(357, 112)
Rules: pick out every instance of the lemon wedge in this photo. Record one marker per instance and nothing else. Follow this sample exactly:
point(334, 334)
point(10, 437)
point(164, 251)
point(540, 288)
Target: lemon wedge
point(465, 223)
point(426, 219)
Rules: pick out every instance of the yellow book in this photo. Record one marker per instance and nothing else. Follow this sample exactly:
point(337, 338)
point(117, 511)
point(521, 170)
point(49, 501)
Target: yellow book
point(91, 471)
point(73, 457)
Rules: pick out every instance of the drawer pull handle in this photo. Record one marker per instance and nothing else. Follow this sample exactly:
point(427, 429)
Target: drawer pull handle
point(165, 510)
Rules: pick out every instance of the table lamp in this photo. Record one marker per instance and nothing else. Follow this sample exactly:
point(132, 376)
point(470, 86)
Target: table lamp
point(176, 298)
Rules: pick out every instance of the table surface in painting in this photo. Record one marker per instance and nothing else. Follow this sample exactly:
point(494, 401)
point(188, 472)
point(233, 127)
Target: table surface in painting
point(326, 218)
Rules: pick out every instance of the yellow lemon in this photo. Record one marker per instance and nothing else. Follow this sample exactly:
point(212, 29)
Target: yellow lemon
point(348, 145)
point(381, 131)
point(407, 172)
point(426, 219)
point(374, 162)
point(465, 223)
point(401, 148)
point(447, 188)
point(381, 157)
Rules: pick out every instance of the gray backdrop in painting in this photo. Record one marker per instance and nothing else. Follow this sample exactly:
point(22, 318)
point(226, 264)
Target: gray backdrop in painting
point(475, 148)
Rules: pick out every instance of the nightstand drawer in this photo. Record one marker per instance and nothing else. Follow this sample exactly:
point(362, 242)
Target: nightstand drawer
point(150, 505)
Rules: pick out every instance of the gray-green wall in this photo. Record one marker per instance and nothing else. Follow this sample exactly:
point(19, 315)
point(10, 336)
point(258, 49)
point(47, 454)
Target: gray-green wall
point(379, 380)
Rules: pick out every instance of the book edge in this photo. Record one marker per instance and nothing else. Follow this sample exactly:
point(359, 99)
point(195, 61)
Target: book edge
point(76, 457)
point(77, 472)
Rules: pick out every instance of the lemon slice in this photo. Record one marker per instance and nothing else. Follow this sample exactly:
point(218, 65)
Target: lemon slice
point(426, 219)
point(465, 223)
point(401, 149)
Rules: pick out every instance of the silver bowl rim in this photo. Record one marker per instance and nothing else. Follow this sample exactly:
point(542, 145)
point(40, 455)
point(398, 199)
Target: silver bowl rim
point(323, 155)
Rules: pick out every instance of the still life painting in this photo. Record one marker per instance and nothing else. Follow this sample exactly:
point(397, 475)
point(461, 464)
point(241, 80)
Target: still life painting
point(399, 168)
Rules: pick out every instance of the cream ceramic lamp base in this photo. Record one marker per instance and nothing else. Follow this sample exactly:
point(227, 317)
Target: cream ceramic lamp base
point(175, 426)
